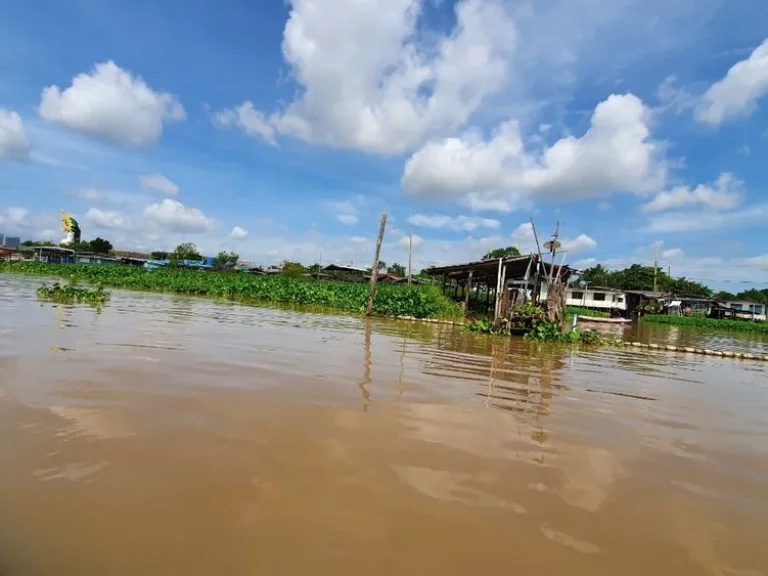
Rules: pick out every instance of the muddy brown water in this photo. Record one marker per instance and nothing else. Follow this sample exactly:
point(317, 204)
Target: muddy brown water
point(166, 435)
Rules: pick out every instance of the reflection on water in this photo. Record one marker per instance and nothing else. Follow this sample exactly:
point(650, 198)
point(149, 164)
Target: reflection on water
point(167, 435)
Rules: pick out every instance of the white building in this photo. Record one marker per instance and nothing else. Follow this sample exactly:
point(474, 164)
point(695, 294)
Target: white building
point(747, 309)
point(597, 298)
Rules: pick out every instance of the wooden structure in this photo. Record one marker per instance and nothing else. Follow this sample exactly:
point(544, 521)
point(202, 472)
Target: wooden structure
point(503, 284)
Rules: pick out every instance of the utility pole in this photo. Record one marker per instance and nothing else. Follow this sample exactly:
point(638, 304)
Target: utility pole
point(375, 267)
point(655, 264)
point(410, 253)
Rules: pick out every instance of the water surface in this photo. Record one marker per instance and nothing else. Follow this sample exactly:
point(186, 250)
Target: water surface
point(166, 435)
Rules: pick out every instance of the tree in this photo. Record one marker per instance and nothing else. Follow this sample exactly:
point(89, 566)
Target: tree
point(724, 296)
point(753, 295)
point(597, 276)
point(37, 243)
point(382, 265)
point(292, 269)
point(396, 269)
point(158, 255)
point(684, 287)
point(225, 260)
point(315, 269)
point(185, 251)
point(101, 246)
point(508, 252)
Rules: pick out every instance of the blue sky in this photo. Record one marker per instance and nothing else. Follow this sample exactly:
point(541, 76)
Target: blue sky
point(284, 129)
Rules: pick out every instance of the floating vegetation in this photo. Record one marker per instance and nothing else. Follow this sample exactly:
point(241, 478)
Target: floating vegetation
point(586, 312)
point(73, 295)
point(712, 323)
point(391, 299)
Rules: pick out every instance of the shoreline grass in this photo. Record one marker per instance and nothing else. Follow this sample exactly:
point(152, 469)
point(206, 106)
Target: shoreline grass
point(391, 300)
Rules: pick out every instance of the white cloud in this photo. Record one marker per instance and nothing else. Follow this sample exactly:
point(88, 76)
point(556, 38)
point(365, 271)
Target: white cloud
point(454, 223)
point(359, 239)
point(248, 119)
point(174, 216)
point(98, 196)
point(738, 93)
point(238, 233)
point(111, 104)
point(415, 241)
point(158, 183)
point(370, 81)
point(109, 219)
point(616, 154)
point(14, 141)
point(578, 244)
point(13, 217)
point(672, 255)
point(675, 222)
point(726, 193)
point(348, 219)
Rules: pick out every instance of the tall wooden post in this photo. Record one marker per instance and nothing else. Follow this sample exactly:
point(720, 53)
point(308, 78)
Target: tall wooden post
point(375, 267)
point(468, 290)
point(410, 252)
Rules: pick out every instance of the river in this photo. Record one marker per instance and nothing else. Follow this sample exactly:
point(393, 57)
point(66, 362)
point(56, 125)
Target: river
point(168, 435)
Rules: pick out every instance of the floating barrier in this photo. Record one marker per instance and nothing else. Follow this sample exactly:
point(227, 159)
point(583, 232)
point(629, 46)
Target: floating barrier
point(625, 344)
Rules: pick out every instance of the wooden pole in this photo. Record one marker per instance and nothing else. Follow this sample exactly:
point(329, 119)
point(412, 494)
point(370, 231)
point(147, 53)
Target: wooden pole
point(410, 253)
point(375, 267)
point(469, 289)
point(498, 289)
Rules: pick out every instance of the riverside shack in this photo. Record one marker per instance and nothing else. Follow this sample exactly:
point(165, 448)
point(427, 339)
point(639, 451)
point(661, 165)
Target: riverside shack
point(502, 283)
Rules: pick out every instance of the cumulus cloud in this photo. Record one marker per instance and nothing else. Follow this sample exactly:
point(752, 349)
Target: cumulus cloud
point(578, 244)
point(370, 81)
point(14, 141)
point(111, 104)
point(738, 93)
point(109, 219)
point(414, 241)
point(238, 233)
point(248, 119)
point(679, 222)
point(453, 223)
point(616, 154)
point(158, 183)
point(724, 194)
point(174, 216)
point(348, 219)
point(13, 216)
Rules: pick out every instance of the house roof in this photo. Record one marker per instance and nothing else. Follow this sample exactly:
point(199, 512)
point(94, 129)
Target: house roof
point(340, 268)
point(488, 269)
point(748, 302)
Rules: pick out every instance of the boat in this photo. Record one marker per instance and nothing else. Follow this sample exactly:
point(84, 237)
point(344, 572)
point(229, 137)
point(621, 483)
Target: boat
point(596, 320)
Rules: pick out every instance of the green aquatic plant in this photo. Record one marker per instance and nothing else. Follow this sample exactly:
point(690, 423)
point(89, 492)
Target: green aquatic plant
point(709, 323)
point(551, 332)
point(391, 299)
point(71, 294)
point(573, 310)
point(484, 326)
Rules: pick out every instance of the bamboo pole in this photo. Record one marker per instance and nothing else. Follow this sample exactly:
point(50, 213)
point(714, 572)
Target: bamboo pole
point(410, 253)
point(375, 267)
point(468, 290)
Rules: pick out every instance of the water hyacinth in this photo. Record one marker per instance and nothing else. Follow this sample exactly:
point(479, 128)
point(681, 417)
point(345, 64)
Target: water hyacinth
point(391, 299)
point(73, 295)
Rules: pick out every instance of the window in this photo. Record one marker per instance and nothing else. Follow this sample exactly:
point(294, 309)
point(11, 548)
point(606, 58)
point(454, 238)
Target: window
point(735, 306)
point(620, 299)
point(599, 297)
point(577, 296)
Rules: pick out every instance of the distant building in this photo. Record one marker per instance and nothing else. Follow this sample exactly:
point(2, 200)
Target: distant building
point(596, 297)
point(9, 241)
point(747, 309)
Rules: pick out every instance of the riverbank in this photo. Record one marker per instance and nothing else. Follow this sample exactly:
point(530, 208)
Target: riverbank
point(391, 299)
